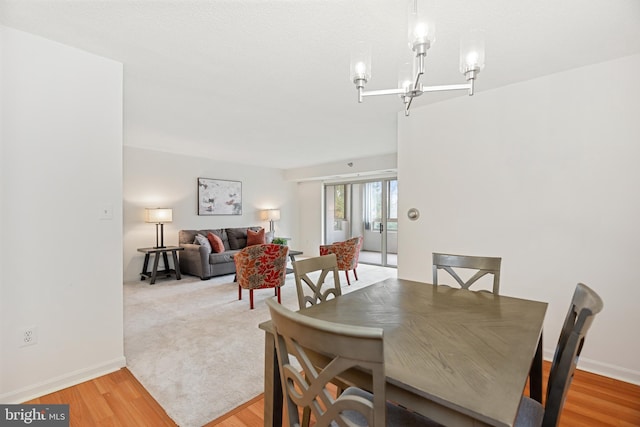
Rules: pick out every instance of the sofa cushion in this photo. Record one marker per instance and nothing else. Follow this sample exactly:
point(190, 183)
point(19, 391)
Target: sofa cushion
point(187, 236)
point(238, 236)
point(255, 237)
point(216, 243)
point(202, 241)
point(221, 258)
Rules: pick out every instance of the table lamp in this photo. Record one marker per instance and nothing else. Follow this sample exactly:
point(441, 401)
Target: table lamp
point(271, 215)
point(158, 216)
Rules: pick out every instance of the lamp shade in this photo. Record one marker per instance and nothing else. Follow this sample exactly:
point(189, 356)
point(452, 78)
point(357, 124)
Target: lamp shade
point(158, 215)
point(271, 214)
point(361, 62)
point(421, 25)
point(472, 51)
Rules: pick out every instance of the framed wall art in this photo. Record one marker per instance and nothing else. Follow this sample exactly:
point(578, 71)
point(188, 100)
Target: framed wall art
point(219, 197)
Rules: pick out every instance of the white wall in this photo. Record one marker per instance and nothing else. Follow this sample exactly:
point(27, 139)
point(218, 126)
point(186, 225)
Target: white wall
point(158, 179)
point(61, 165)
point(545, 174)
point(310, 208)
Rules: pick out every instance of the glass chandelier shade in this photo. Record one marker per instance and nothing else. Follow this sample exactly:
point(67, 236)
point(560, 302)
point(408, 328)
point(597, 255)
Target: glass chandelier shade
point(361, 62)
point(472, 51)
point(421, 26)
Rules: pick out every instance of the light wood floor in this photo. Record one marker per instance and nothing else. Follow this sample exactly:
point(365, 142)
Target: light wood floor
point(118, 399)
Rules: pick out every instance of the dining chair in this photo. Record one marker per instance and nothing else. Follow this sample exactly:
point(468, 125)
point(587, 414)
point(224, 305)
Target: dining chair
point(347, 347)
point(585, 304)
point(261, 266)
point(347, 254)
point(310, 291)
point(483, 265)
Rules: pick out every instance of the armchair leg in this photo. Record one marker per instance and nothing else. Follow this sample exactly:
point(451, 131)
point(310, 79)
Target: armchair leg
point(355, 273)
point(251, 298)
point(239, 292)
point(278, 293)
point(346, 273)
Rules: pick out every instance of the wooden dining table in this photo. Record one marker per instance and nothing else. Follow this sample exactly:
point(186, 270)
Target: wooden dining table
point(459, 357)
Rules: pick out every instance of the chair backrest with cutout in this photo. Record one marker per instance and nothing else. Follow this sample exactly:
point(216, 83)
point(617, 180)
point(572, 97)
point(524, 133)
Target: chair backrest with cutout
point(585, 304)
point(313, 290)
point(483, 265)
point(347, 347)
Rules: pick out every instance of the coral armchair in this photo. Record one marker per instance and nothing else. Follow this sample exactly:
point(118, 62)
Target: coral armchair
point(347, 254)
point(261, 266)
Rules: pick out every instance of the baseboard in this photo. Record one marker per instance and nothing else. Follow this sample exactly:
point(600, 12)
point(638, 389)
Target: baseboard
point(63, 381)
point(604, 369)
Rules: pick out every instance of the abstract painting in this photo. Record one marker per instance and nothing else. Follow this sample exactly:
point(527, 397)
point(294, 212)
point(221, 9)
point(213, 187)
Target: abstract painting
point(219, 197)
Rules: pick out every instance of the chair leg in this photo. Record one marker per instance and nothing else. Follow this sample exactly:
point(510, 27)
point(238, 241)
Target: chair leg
point(346, 273)
point(251, 298)
point(355, 273)
point(278, 292)
point(239, 292)
point(306, 417)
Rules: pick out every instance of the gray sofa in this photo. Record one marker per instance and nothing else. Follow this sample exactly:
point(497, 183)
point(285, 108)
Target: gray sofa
point(198, 260)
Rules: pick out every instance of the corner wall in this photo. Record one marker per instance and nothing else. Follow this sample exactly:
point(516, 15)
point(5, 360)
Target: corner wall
point(158, 179)
point(545, 174)
point(61, 167)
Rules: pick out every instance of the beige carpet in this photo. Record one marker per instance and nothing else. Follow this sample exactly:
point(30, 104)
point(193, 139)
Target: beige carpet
point(197, 349)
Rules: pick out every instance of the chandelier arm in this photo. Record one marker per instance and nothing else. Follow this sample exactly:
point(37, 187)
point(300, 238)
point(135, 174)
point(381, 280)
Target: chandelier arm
point(420, 71)
point(441, 88)
point(407, 106)
point(416, 84)
point(383, 92)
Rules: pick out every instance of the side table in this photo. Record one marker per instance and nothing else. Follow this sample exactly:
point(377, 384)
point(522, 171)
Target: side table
point(292, 257)
point(157, 252)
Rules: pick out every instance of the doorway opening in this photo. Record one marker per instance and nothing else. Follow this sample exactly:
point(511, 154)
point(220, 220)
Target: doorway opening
point(368, 209)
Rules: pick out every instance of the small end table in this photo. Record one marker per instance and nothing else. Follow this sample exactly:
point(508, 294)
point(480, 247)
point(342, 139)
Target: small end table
point(292, 257)
point(166, 272)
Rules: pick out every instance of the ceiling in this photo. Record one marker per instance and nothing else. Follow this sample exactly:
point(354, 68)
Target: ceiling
point(267, 82)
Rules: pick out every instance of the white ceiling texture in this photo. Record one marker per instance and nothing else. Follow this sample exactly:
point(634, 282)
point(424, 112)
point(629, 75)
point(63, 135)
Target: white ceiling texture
point(267, 82)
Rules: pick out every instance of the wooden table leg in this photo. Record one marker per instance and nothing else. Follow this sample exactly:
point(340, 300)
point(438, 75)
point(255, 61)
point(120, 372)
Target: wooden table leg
point(273, 398)
point(535, 375)
point(144, 267)
point(154, 273)
point(176, 266)
point(165, 259)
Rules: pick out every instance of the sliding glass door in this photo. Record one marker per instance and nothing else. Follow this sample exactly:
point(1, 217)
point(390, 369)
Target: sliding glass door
point(368, 209)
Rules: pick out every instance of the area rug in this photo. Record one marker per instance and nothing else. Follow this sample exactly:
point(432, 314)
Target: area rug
point(197, 349)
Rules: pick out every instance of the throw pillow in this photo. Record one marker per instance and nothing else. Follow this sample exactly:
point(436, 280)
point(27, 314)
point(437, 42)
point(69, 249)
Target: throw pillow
point(216, 243)
point(202, 241)
point(255, 237)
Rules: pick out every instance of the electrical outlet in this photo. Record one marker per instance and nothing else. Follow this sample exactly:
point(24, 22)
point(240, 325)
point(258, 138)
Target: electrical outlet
point(29, 336)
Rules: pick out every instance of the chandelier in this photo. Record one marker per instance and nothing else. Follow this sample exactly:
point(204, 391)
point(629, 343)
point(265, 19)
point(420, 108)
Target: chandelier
point(421, 37)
